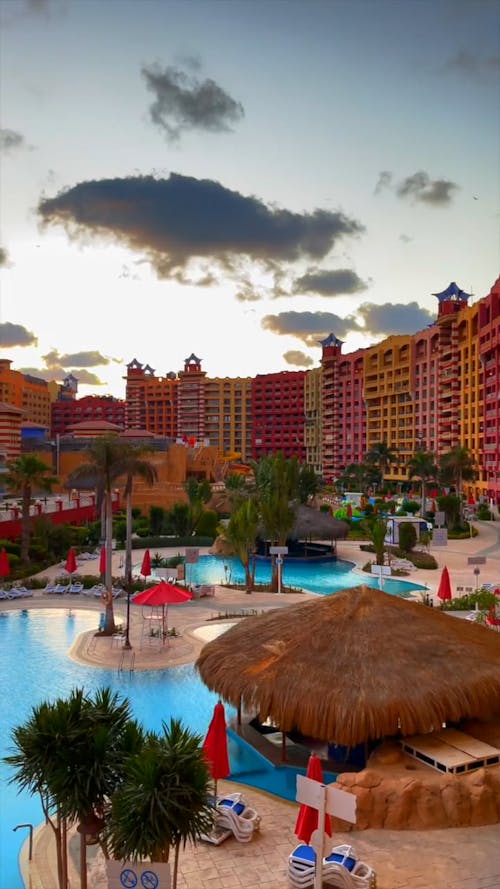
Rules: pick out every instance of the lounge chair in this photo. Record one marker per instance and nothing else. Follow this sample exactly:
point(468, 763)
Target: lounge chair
point(232, 813)
point(50, 587)
point(340, 869)
point(76, 587)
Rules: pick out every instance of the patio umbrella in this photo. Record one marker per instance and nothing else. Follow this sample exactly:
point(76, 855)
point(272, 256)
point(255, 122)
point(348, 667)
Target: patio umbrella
point(102, 560)
point(146, 564)
point(162, 595)
point(444, 589)
point(4, 563)
point(71, 564)
point(215, 745)
point(307, 819)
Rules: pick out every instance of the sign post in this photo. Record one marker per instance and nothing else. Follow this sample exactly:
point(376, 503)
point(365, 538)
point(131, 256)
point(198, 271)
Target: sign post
point(327, 799)
point(279, 551)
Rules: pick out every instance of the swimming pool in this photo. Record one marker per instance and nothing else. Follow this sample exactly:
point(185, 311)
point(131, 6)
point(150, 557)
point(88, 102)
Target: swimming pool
point(35, 667)
point(316, 576)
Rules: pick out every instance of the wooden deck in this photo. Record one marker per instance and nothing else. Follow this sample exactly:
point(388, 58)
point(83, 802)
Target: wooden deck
point(451, 751)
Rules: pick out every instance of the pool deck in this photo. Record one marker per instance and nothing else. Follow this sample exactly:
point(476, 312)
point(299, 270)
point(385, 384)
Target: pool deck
point(456, 858)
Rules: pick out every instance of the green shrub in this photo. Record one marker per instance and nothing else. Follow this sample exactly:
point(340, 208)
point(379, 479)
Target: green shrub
point(207, 524)
point(423, 560)
point(407, 536)
point(10, 547)
point(484, 513)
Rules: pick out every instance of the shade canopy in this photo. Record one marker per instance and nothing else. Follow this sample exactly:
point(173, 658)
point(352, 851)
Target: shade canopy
point(313, 523)
point(361, 664)
point(307, 819)
point(444, 589)
point(162, 594)
point(4, 564)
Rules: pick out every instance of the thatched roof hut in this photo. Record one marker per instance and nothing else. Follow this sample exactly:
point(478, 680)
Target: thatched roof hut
point(312, 524)
point(358, 665)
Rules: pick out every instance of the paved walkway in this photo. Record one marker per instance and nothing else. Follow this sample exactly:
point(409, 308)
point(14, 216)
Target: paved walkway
point(438, 859)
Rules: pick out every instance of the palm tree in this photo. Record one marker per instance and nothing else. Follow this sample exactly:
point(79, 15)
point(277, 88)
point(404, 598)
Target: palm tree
point(423, 466)
point(455, 467)
point(70, 752)
point(199, 493)
point(377, 529)
point(277, 491)
point(241, 532)
point(24, 476)
point(134, 466)
point(106, 458)
point(381, 456)
point(162, 801)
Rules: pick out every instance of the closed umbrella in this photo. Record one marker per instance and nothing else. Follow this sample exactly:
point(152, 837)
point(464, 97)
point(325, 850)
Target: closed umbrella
point(4, 563)
point(307, 819)
point(215, 746)
point(102, 560)
point(146, 564)
point(444, 589)
point(163, 594)
point(71, 564)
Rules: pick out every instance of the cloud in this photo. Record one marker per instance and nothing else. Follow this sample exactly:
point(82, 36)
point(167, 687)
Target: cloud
point(391, 318)
point(329, 282)
point(437, 192)
point(58, 374)
point(183, 102)
point(297, 358)
point(10, 140)
point(474, 66)
point(420, 187)
point(309, 327)
point(175, 220)
point(76, 359)
point(16, 335)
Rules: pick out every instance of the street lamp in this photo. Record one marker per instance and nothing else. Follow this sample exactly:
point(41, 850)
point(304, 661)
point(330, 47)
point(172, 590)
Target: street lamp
point(279, 551)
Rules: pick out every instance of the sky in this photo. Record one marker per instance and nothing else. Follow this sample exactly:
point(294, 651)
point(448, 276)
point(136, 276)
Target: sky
point(238, 179)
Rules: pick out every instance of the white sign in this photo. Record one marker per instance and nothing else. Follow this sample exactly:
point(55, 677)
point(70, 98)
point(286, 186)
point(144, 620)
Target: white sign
point(278, 550)
point(138, 875)
point(440, 537)
point(382, 569)
point(192, 555)
point(326, 799)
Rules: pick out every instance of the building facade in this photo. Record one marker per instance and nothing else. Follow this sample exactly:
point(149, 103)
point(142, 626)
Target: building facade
point(30, 394)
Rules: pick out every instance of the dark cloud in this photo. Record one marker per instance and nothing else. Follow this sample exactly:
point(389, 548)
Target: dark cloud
point(183, 102)
point(420, 187)
point(464, 62)
point(10, 140)
point(76, 359)
point(297, 358)
point(394, 318)
point(172, 221)
point(16, 335)
point(309, 327)
point(329, 282)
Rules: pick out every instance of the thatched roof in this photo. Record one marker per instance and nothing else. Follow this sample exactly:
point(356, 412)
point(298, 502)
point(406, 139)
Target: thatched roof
point(356, 665)
point(313, 524)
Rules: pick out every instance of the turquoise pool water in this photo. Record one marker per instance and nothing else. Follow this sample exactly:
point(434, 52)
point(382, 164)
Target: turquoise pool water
point(35, 667)
point(318, 576)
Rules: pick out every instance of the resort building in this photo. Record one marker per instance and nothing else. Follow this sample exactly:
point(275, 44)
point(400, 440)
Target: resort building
point(228, 415)
point(30, 394)
point(151, 401)
point(278, 414)
point(67, 413)
point(10, 433)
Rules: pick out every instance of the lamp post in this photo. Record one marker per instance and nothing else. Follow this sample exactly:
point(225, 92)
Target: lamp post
point(279, 551)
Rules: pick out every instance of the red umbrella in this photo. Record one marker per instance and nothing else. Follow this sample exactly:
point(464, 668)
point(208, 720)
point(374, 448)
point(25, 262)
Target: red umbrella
point(307, 819)
point(163, 594)
point(215, 746)
point(71, 565)
point(146, 564)
point(444, 589)
point(4, 564)
point(102, 560)
point(471, 501)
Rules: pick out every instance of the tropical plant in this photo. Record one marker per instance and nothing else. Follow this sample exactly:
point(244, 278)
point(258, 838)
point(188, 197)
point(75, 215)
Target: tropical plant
point(376, 530)
point(104, 466)
point(307, 483)
point(359, 477)
point(199, 493)
point(407, 536)
point(70, 753)
point(455, 467)
point(423, 466)
point(381, 456)
point(450, 505)
point(132, 466)
point(276, 482)
point(241, 532)
point(24, 476)
point(162, 801)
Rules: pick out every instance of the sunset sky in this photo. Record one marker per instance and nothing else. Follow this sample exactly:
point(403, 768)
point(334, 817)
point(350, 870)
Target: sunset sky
point(239, 179)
